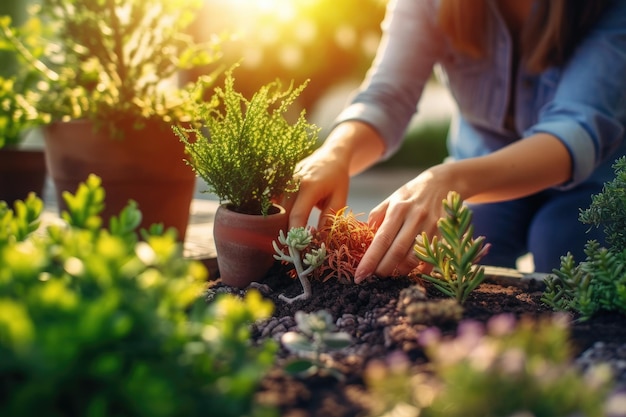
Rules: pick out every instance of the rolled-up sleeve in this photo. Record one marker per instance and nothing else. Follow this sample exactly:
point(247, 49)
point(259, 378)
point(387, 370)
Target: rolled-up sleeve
point(588, 109)
point(388, 97)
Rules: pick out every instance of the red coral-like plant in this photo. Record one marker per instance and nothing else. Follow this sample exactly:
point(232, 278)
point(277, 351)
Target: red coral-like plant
point(346, 239)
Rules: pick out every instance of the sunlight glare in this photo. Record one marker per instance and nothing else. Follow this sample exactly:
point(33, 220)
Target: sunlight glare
point(281, 9)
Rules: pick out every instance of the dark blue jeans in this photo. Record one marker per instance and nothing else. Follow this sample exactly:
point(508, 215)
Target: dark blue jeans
point(545, 224)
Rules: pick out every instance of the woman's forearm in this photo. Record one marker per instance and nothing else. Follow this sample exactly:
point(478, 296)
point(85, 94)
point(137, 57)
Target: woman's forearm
point(520, 169)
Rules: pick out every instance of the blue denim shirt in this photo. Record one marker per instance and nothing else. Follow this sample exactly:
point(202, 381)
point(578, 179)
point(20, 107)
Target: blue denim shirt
point(582, 103)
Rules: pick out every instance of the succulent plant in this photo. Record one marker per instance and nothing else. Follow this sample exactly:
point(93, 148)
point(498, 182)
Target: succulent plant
point(317, 335)
point(296, 241)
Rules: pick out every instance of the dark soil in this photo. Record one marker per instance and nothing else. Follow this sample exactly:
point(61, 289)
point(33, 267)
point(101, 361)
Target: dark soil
point(370, 313)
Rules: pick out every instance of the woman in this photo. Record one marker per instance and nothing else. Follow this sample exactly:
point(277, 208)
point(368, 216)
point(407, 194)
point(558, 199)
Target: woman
point(541, 91)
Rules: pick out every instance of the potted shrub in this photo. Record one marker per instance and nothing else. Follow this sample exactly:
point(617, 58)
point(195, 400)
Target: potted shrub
point(22, 167)
point(247, 151)
point(109, 88)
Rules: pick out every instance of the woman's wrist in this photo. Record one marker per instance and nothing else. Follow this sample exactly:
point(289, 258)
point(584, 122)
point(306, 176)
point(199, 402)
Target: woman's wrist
point(520, 169)
point(355, 142)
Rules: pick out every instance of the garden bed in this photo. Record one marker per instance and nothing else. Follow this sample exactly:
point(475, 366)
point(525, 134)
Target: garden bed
point(369, 313)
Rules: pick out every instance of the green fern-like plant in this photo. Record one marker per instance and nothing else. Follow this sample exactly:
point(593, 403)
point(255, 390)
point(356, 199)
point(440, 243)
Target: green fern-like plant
point(608, 209)
point(454, 256)
point(247, 150)
point(599, 282)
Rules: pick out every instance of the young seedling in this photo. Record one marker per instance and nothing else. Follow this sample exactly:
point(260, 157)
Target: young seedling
point(454, 257)
point(317, 335)
point(297, 241)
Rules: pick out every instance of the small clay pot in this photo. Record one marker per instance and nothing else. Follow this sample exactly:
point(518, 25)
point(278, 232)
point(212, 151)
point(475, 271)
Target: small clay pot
point(244, 244)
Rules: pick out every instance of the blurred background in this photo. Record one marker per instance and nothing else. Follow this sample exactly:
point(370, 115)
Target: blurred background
point(331, 43)
point(328, 42)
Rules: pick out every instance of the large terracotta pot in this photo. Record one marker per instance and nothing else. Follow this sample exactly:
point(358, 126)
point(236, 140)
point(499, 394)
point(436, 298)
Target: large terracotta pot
point(145, 165)
point(244, 244)
point(21, 171)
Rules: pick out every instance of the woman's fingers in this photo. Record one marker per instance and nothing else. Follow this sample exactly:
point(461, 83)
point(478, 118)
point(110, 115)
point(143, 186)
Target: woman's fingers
point(327, 194)
point(337, 200)
point(391, 249)
point(412, 209)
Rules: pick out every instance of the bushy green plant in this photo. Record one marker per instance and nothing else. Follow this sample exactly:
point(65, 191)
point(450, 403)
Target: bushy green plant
point(598, 282)
point(317, 335)
point(114, 62)
point(100, 322)
point(247, 150)
point(608, 208)
point(505, 368)
point(17, 114)
point(455, 255)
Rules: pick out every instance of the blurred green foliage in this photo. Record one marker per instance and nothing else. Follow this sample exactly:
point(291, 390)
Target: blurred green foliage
point(16, 10)
point(17, 83)
point(115, 62)
point(97, 322)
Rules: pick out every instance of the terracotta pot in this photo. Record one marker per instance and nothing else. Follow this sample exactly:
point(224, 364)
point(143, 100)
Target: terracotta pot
point(21, 171)
point(244, 244)
point(146, 165)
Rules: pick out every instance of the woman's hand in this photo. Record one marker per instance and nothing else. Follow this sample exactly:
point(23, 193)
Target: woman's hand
point(520, 169)
point(412, 209)
point(324, 176)
point(324, 182)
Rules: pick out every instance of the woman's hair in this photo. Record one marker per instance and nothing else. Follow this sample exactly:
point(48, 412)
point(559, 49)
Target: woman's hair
point(548, 39)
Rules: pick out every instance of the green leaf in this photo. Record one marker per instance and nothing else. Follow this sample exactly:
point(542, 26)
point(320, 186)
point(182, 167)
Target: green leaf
point(336, 341)
point(127, 222)
point(84, 207)
point(297, 342)
point(300, 366)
